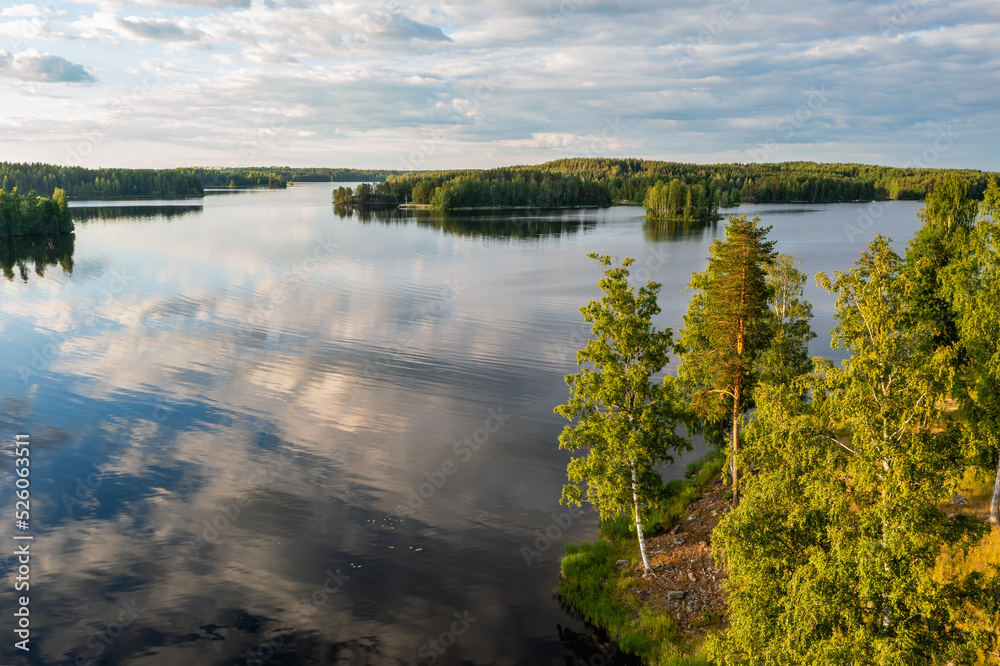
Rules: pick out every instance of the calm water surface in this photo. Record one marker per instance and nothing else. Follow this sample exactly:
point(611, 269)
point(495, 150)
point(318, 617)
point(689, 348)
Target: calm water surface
point(239, 402)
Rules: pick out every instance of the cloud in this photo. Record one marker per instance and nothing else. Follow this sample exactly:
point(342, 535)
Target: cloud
point(692, 78)
point(32, 65)
point(105, 26)
point(25, 11)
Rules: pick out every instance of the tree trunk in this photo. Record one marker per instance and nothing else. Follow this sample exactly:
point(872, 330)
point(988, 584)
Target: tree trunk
point(638, 521)
point(736, 441)
point(995, 501)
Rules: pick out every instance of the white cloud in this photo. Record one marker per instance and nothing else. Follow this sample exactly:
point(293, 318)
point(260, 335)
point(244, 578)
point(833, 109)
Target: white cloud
point(501, 81)
point(32, 65)
point(23, 11)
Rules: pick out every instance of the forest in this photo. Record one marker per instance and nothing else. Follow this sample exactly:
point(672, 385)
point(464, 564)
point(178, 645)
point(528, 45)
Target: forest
point(81, 183)
point(605, 181)
point(846, 538)
point(562, 183)
point(32, 215)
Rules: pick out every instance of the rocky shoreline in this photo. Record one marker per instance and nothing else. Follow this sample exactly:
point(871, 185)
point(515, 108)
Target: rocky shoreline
point(686, 583)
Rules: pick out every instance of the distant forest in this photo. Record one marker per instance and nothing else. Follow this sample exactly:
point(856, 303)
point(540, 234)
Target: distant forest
point(668, 189)
point(80, 183)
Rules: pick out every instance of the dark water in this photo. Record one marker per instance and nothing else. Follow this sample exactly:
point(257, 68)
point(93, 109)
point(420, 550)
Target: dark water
point(235, 405)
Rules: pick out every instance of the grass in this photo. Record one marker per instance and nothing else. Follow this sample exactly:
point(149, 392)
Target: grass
point(593, 586)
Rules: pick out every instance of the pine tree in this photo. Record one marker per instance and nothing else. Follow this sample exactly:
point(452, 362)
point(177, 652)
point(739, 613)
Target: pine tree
point(831, 555)
point(727, 328)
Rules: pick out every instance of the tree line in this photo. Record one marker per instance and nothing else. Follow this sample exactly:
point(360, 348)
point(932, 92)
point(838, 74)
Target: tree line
point(81, 183)
point(602, 181)
point(32, 215)
point(568, 182)
point(841, 475)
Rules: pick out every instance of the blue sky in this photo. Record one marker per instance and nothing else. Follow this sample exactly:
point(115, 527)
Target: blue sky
point(463, 83)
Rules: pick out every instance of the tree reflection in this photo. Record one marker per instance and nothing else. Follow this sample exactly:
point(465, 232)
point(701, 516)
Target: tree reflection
point(493, 224)
point(88, 214)
point(21, 252)
point(659, 230)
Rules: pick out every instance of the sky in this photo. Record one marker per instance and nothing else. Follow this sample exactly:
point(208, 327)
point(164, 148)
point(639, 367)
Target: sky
point(483, 83)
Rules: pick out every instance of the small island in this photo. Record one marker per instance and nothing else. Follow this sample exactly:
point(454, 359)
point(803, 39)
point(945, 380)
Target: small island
point(32, 215)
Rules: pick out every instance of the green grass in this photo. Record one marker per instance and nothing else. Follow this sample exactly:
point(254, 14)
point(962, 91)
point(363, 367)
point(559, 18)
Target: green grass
point(593, 587)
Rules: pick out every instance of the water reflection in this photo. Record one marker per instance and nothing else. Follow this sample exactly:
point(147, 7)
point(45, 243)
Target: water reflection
point(42, 251)
point(498, 224)
point(236, 416)
point(660, 230)
point(130, 213)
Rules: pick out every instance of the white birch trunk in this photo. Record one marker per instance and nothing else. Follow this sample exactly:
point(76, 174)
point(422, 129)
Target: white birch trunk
point(638, 521)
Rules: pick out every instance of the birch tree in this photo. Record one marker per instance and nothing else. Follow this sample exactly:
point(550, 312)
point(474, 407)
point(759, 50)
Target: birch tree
point(624, 421)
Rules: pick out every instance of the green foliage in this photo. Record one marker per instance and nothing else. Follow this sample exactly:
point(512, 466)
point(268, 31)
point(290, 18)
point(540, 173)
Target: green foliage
point(680, 201)
point(568, 182)
point(787, 356)
point(831, 552)
point(948, 219)
point(971, 283)
point(592, 585)
point(727, 329)
point(33, 215)
point(81, 183)
point(624, 421)
point(623, 418)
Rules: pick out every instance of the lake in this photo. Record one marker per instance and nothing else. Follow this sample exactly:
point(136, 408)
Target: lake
point(266, 432)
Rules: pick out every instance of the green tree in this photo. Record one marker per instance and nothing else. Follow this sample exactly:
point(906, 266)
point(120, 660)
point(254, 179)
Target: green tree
point(727, 328)
point(787, 356)
point(624, 421)
point(972, 288)
point(831, 553)
point(948, 218)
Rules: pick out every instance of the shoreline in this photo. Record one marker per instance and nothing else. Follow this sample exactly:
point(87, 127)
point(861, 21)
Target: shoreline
point(602, 581)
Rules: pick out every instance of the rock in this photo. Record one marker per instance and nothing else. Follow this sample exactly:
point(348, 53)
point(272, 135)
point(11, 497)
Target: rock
point(675, 595)
point(623, 564)
point(715, 513)
point(958, 500)
point(674, 531)
point(692, 578)
point(678, 541)
point(692, 517)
